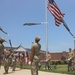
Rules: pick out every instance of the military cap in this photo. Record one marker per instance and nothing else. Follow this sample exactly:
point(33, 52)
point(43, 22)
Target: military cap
point(37, 38)
point(2, 39)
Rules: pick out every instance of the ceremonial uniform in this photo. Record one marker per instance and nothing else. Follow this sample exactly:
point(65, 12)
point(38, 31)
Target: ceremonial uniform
point(34, 57)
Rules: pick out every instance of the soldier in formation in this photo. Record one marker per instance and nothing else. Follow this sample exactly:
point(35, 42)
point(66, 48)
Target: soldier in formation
point(13, 64)
point(1, 48)
point(10, 60)
point(21, 60)
point(71, 66)
point(48, 65)
point(6, 61)
point(34, 57)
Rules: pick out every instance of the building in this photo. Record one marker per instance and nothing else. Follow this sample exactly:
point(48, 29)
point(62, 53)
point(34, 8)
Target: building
point(54, 56)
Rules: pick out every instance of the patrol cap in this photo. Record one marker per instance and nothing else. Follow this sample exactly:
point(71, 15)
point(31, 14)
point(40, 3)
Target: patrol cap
point(2, 39)
point(37, 38)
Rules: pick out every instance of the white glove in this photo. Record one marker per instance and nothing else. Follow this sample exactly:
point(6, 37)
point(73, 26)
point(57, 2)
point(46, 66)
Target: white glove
point(46, 60)
point(29, 62)
point(69, 58)
point(13, 60)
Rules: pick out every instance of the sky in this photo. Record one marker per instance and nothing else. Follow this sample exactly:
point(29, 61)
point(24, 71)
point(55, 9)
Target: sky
point(14, 13)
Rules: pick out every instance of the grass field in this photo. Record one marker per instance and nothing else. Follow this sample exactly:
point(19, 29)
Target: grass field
point(60, 69)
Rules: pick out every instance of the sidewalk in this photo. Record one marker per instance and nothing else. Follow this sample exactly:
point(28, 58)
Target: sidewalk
point(26, 72)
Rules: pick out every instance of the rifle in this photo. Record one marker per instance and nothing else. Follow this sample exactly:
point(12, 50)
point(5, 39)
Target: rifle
point(3, 31)
point(10, 45)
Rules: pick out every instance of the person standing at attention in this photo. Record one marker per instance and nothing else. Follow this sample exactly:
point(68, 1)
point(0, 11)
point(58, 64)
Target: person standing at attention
point(70, 59)
point(2, 40)
point(34, 56)
point(48, 60)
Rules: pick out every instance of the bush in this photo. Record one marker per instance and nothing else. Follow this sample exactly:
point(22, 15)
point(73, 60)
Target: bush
point(60, 62)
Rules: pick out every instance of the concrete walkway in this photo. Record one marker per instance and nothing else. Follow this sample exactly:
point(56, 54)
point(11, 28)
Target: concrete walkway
point(26, 72)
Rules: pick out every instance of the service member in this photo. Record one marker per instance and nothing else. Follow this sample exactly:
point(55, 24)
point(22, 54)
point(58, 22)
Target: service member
point(21, 60)
point(1, 47)
point(48, 59)
point(6, 61)
point(34, 57)
point(70, 59)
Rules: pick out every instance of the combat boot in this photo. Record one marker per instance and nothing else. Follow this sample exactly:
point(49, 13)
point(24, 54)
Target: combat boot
point(13, 70)
point(5, 73)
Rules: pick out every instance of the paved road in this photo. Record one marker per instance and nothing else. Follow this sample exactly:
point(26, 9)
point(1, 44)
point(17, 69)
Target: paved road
point(26, 72)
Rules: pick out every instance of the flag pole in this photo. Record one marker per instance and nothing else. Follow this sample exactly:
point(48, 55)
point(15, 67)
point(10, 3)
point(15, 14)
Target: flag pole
point(74, 44)
point(46, 15)
point(46, 12)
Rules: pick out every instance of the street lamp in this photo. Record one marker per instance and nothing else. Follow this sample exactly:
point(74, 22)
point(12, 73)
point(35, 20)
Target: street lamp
point(31, 24)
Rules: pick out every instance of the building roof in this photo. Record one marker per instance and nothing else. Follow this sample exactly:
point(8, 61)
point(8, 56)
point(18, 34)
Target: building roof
point(20, 49)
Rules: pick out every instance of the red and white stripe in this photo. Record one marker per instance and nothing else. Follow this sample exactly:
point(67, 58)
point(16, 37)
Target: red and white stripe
point(53, 8)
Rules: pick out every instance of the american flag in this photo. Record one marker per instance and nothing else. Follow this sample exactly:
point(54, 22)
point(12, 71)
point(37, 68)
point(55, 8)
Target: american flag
point(55, 11)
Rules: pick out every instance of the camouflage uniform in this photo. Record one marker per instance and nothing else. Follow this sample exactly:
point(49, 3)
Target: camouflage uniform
point(71, 60)
point(21, 61)
point(48, 66)
point(10, 60)
point(6, 61)
point(1, 48)
point(13, 62)
point(34, 58)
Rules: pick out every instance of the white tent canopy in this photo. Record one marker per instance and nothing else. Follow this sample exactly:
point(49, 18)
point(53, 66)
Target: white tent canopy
point(20, 49)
